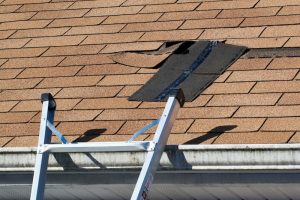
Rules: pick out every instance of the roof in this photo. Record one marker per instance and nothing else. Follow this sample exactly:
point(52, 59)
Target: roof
point(66, 48)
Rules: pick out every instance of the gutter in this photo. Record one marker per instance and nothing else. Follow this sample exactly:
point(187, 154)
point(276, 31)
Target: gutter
point(218, 172)
point(181, 157)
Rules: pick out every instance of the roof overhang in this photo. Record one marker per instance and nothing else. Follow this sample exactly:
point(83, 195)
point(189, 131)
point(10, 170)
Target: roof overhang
point(256, 171)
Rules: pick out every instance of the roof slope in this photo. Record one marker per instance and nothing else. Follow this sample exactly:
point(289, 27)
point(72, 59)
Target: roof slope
point(65, 47)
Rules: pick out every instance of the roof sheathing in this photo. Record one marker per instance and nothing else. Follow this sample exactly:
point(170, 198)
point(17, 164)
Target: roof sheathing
point(65, 48)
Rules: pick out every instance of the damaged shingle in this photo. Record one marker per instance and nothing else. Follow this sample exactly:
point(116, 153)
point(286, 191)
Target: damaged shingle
point(139, 59)
point(147, 59)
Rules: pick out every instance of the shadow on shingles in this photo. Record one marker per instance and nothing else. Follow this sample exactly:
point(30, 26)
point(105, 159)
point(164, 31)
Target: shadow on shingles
point(217, 131)
point(89, 135)
point(65, 160)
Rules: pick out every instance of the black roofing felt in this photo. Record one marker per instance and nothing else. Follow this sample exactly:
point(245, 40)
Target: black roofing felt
point(192, 67)
point(273, 52)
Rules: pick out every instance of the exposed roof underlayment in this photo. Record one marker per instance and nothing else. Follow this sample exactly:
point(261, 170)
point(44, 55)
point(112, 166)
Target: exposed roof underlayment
point(192, 67)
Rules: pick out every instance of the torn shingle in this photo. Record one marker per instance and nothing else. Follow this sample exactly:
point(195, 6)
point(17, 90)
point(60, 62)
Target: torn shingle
point(139, 59)
point(147, 59)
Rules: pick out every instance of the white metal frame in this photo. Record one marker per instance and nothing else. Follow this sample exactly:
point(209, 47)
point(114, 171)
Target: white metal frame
point(41, 163)
point(154, 148)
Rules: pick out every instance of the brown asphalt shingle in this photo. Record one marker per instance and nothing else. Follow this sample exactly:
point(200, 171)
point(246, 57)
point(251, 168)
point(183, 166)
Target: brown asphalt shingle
point(21, 53)
point(67, 48)
point(5, 140)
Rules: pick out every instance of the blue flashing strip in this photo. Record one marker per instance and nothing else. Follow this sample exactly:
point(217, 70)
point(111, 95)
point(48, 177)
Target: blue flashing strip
point(200, 59)
point(142, 130)
point(60, 136)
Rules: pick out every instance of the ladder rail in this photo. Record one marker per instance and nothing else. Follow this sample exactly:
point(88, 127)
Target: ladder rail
point(40, 170)
point(152, 159)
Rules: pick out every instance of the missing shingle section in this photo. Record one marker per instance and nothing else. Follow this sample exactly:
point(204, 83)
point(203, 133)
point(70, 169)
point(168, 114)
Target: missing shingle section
point(272, 52)
point(148, 59)
point(193, 67)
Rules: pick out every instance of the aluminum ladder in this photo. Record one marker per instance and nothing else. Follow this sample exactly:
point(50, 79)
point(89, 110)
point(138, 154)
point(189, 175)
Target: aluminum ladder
point(154, 148)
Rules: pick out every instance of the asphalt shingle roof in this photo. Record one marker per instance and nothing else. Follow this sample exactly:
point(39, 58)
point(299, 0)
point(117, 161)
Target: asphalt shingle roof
point(66, 47)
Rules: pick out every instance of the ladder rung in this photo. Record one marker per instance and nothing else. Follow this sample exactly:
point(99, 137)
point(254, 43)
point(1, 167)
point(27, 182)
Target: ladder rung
point(97, 147)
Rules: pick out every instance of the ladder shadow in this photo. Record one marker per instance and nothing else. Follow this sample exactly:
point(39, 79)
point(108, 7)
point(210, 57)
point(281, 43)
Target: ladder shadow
point(177, 157)
point(65, 160)
point(215, 132)
point(89, 135)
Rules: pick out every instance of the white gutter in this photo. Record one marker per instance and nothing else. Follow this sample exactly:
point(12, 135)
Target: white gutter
point(267, 171)
point(182, 157)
